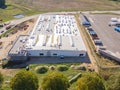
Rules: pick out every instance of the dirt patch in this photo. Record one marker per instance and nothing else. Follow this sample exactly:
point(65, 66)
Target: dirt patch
point(8, 41)
point(8, 72)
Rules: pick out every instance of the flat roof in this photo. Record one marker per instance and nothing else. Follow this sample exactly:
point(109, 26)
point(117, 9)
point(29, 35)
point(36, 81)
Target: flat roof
point(55, 32)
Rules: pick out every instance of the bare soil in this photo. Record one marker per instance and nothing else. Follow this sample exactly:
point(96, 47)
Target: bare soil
point(7, 41)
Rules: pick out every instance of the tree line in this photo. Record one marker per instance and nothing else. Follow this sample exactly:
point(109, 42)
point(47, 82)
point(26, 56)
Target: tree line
point(27, 80)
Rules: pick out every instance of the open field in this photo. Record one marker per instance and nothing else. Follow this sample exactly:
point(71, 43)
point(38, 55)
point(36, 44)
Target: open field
point(13, 9)
point(30, 7)
point(69, 5)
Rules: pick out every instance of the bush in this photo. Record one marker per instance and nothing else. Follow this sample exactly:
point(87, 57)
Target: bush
point(62, 68)
point(41, 69)
point(90, 81)
point(80, 68)
point(52, 67)
point(24, 80)
point(55, 81)
point(72, 66)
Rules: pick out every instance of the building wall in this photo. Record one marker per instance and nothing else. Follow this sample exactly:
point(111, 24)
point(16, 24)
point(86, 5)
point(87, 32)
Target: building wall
point(18, 58)
point(56, 53)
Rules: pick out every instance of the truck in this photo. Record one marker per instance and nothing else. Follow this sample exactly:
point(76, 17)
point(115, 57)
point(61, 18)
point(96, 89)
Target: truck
point(84, 20)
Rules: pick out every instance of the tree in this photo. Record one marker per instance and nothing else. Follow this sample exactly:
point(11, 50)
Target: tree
point(1, 80)
point(90, 81)
point(55, 81)
point(24, 80)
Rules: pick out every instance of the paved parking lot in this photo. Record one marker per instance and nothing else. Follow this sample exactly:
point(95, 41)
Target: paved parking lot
point(109, 37)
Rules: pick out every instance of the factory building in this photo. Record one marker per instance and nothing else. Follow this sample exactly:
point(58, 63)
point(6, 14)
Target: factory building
point(54, 35)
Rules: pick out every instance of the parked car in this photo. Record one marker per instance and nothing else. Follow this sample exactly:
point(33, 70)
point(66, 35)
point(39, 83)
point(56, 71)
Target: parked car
point(118, 24)
point(9, 27)
point(92, 32)
point(117, 28)
point(90, 29)
point(112, 23)
point(98, 42)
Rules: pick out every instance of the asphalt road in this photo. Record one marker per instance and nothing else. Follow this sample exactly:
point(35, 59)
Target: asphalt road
point(109, 37)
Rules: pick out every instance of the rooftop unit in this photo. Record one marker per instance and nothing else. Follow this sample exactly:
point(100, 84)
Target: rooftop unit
point(71, 41)
point(60, 40)
point(44, 40)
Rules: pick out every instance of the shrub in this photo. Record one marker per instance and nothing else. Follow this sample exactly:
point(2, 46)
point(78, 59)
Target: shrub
point(62, 68)
point(90, 81)
point(80, 67)
point(72, 66)
point(41, 69)
point(52, 67)
point(55, 81)
point(24, 80)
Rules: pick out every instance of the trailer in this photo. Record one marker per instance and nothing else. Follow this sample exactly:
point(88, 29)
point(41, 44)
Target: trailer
point(84, 20)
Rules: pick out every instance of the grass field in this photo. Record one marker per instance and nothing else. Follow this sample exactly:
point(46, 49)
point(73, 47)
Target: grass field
point(30, 7)
point(12, 9)
point(69, 74)
point(69, 5)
